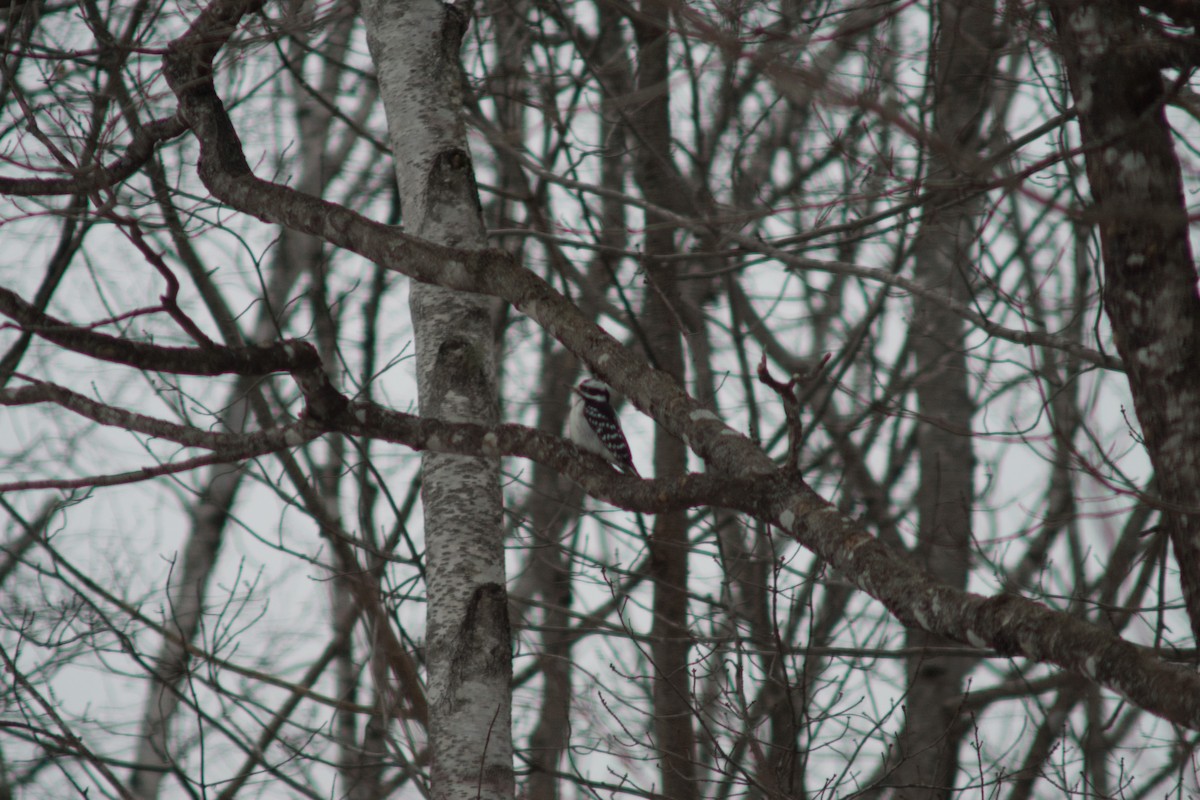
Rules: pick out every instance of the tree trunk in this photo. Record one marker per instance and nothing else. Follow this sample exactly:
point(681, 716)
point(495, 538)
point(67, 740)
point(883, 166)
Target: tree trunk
point(1150, 276)
point(925, 759)
point(469, 656)
point(674, 736)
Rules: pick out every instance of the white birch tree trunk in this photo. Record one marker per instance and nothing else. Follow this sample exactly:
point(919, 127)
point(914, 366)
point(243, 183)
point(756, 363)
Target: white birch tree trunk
point(415, 46)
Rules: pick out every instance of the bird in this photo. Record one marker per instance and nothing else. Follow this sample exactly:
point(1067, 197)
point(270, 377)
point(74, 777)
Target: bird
point(594, 426)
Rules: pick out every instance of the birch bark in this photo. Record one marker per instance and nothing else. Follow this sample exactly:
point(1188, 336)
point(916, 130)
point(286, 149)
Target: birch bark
point(415, 47)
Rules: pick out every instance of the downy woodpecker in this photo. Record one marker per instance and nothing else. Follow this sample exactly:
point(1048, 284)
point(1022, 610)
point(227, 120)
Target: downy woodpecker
point(593, 425)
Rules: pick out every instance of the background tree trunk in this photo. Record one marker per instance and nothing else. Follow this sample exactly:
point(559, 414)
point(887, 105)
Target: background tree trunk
point(924, 763)
point(298, 255)
point(669, 549)
point(1149, 271)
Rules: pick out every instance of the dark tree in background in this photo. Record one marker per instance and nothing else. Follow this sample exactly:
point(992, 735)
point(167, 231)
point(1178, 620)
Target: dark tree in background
point(899, 299)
